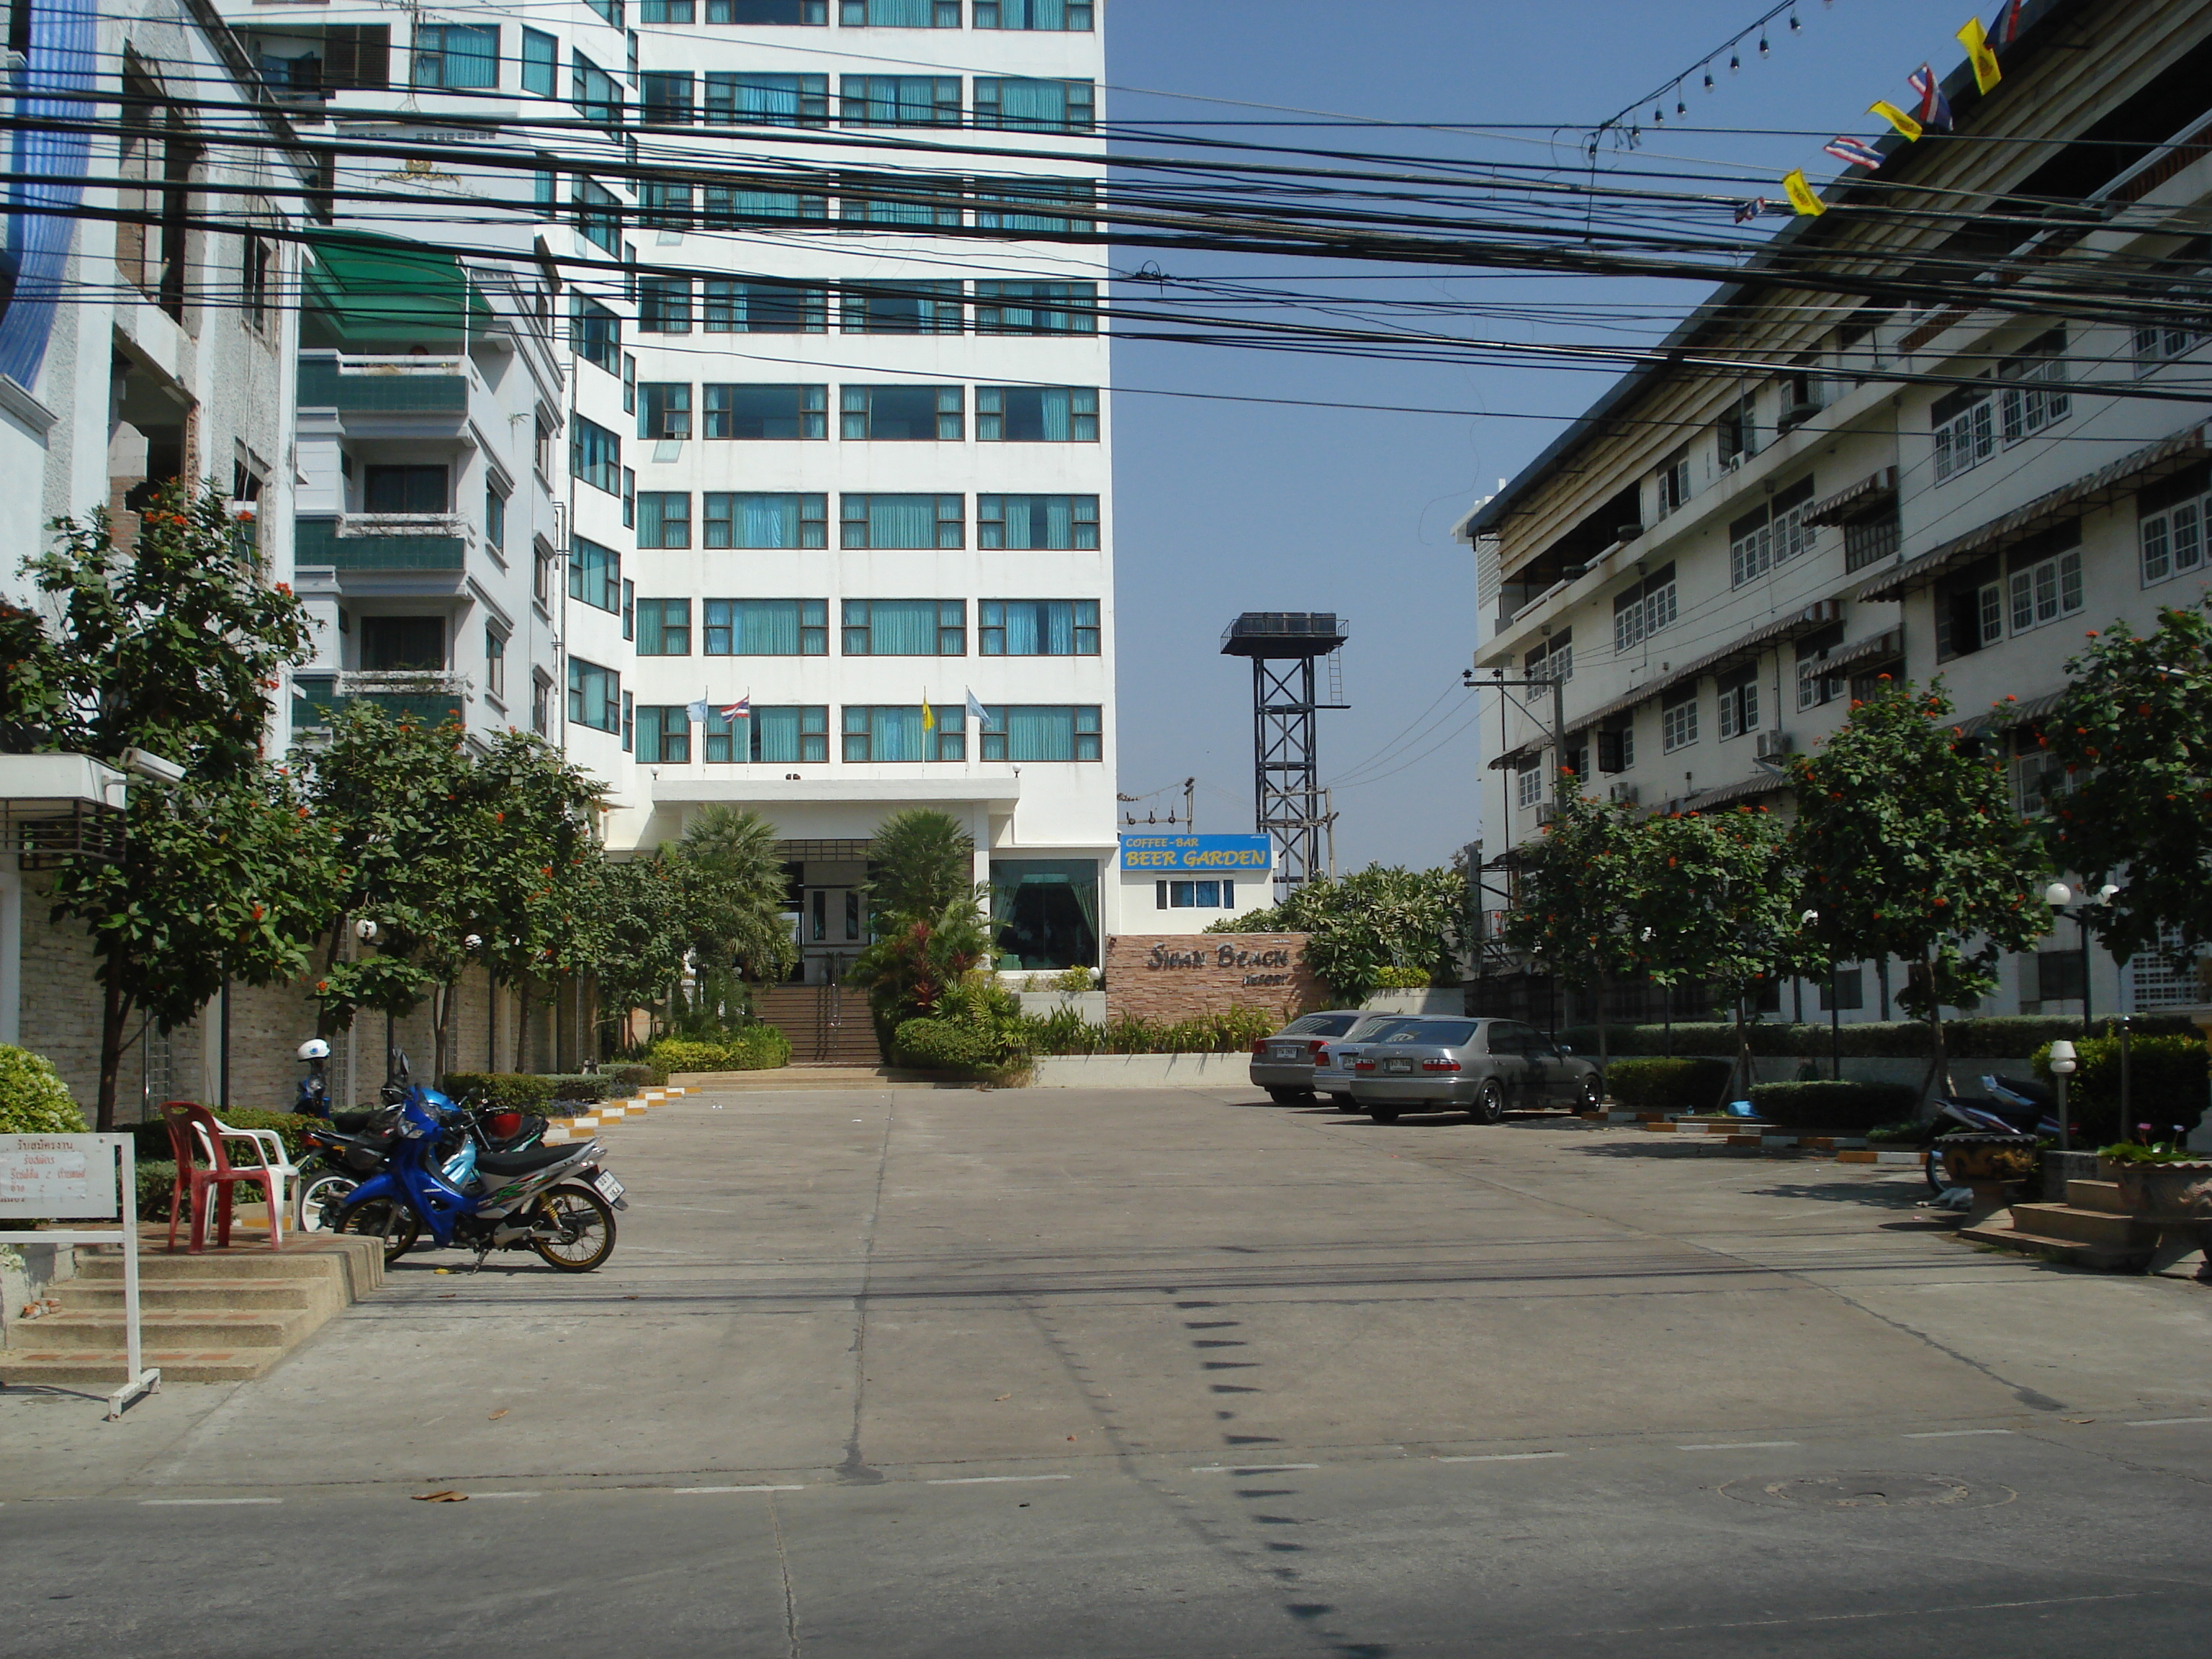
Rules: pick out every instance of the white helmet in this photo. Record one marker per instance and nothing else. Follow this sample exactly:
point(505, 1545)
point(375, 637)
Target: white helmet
point(314, 1048)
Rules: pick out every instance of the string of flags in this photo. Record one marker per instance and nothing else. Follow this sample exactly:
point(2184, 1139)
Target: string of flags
point(742, 709)
point(1931, 112)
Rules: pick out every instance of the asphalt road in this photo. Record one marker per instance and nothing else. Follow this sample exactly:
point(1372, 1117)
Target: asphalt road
point(1171, 1373)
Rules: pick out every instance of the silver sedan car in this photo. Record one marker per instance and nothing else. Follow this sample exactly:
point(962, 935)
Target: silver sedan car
point(1285, 1064)
point(1480, 1066)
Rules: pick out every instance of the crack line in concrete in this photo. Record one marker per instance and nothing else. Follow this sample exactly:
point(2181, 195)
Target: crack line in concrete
point(790, 1597)
point(854, 1468)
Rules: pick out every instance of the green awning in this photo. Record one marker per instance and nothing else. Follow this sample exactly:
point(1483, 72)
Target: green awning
point(363, 292)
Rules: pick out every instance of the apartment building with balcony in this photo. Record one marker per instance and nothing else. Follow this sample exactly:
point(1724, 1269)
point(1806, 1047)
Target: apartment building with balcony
point(1713, 561)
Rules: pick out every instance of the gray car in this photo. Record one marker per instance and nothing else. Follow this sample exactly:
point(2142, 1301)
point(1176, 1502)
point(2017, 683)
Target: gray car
point(1480, 1066)
point(1284, 1064)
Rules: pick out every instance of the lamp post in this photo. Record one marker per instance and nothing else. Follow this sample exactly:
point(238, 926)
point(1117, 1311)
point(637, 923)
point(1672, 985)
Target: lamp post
point(2062, 1067)
point(2062, 900)
point(1811, 918)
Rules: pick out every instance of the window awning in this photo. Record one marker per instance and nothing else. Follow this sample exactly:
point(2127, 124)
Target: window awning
point(1867, 495)
point(2100, 489)
point(1520, 752)
point(1877, 648)
point(2006, 715)
point(1812, 616)
point(1729, 794)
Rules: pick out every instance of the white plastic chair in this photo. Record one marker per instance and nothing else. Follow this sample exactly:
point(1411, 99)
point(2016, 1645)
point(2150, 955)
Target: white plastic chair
point(268, 1154)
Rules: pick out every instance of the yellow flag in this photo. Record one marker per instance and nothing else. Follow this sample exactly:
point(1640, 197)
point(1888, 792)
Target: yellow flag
point(1800, 193)
point(1897, 118)
point(928, 715)
point(1976, 43)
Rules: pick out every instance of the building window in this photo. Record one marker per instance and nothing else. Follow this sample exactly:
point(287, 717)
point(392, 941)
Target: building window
point(402, 644)
point(899, 100)
point(595, 333)
point(1674, 482)
point(1678, 723)
point(665, 98)
point(1739, 704)
point(769, 735)
point(1036, 414)
point(911, 198)
point(594, 696)
point(2044, 590)
point(664, 410)
point(664, 305)
point(915, 732)
point(1035, 732)
point(1036, 307)
point(2165, 974)
point(2170, 525)
point(1049, 522)
point(1616, 747)
point(1774, 533)
point(1642, 609)
point(768, 11)
point(664, 628)
point(664, 12)
point(2051, 976)
point(494, 661)
point(909, 308)
point(595, 456)
point(2026, 402)
point(664, 518)
point(729, 207)
point(456, 56)
point(256, 263)
point(1037, 628)
point(903, 521)
point(1553, 660)
point(899, 14)
point(1194, 895)
point(495, 518)
point(629, 384)
point(903, 414)
point(764, 308)
point(541, 573)
point(1036, 206)
point(766, 412)
point(1033, 106)
point(541, 63)
point(1527, 783)
point(416, 489)
point(541, 702)
point(1843, 990)
point(594, 574)
point(1033, 13)
point(2039, 777)
point(663, 734)
point(599, 219)
point(906, 628)
point(663, 207)
point(1738, 429)
point(767, 100)
point(766, 521)
point(596, 94)
point(1044, 912)
point(1870, 540)
point(766, 628)
point(1966, 430)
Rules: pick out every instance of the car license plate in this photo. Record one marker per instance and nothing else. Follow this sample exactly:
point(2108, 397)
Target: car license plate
point(610, 1188)
point(1398, 1066)
point(1285, 1051)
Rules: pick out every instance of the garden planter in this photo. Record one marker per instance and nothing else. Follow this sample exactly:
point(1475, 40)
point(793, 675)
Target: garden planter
point(2165, 1194)
point(1973, 1160)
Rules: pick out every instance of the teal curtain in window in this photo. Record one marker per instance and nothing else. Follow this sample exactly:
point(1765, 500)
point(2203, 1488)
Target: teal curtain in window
point(769, 99)
point(776, 734)
point(903, 521)
point(767, 520)
point(1059, 619)
point(903, 627)
point(1040, 733)
point(471, 56)
point(895, 734)
point(1032, 103)
point(1056, 403)
point(1021, 629)
point(900, 14)
point(764, 628)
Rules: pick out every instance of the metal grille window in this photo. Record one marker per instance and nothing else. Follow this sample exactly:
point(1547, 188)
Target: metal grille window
point(594, 574)
point(595, 334)
point(815, 12)
point(765, 628)
point(1871, 540)
point(909, 308)
point(665, 98)
point(899, 198)
point(2044, 591)
point(1036, 307)
point(1739, 704)
point(664, 628)
point(1037, 628)
point(767, 100)
point(1049, 522)
point(456, 55)
point(1034, 732)
point(903, 414)
point(899, 100)
point(663, 734)
point(2166, 976)
point(2025, 399)
point(1674, 482)
point(594, 221)
point(1642, 609)
point(1737, 431)
point(739, 520)
point(1033, 106)
point(2172, 537)
point(903, 521)
point(664, 410)
point(906, 628)
point(594, 696)
point(1678, 723)
point(664, 519)
point(913, 732)
point(786, 735)
point(1074, 15)
point(764, 308)
point(1036, 414)
point(596, 94)
point(595, 455)
point(765, 412)
point(899, 14)
point(1045, 207)
point(1965, 431)
point(664, 305)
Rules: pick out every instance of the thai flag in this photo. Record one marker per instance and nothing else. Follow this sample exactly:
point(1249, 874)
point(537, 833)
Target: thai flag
point(1934, 111)
point(740, 710)
point(2009, 24)
point(1857, 151)
point(1747, 211)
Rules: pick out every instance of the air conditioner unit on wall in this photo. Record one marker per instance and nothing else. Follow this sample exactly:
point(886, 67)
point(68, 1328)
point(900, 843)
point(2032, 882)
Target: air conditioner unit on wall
point(1622, 794)
point(1773, 746)
point(1548, 813)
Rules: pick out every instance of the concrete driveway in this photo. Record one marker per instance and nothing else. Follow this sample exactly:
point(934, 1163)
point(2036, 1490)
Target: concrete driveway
point(1178, 1372)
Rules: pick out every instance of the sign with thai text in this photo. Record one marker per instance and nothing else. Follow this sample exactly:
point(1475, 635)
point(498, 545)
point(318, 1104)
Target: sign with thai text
point(1212, 856)
point(60, 1178)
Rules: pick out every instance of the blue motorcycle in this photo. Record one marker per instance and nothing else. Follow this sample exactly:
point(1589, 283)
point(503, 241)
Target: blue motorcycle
point(554, 1200)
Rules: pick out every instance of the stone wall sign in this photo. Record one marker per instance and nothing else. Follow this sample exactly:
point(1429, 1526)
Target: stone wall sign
point(1178, 976)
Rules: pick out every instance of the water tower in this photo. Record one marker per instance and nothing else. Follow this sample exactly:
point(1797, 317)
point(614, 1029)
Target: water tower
point(1290, 805)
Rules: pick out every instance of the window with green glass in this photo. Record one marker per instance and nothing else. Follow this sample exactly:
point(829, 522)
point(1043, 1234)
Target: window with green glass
point(903, 308)
point(664, 628)
point(1036, 414)
point(754, 307)
point(663, 734)
point(737, 520)
point(903, 521)
point(881, 732)
point(595, 573)
point(596, 95)
point(595, 455)
point(1071, 14)
point(595, 333)
point(796, 734)
point(456, 55)
point(732, 207)
point(765, 628)
point(1045, 207)
point(541, 63)
point(899, 14)
point(664, 519)
point(815, 12)
point(765, 413)
point(1036, 307)
point(900, 198)
point(594, 696)
point(1037, 628)
point(598, 216)
point(665, 98)
point(903, 414)
point(1042, 732)
point(1051, 522)
point(899, 101)
point(906, 628)
point(663, 409)
point(767, 100)
point(1033, 106)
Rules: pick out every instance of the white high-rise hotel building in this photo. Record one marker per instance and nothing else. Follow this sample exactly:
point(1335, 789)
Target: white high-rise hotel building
point(834, 433)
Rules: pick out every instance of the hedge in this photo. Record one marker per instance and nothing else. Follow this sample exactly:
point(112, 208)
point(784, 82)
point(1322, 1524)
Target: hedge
point(2167, 1079)
point(940, 1045)
point(1669, 1085)
point(755, 1048)
point(1831, 1108)
point(33, 1100)
point(1226, 1031)
point(2003, 1038)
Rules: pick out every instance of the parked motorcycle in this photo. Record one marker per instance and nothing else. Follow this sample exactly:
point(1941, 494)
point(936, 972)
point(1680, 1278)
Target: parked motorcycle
point(314, 1099)
point(2014, 1106)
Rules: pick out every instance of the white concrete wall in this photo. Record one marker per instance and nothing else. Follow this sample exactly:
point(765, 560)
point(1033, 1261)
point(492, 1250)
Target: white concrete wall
point(1141, 1071)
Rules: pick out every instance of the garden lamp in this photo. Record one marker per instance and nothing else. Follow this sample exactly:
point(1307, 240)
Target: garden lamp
point(365, 930)
point(2062, 1064)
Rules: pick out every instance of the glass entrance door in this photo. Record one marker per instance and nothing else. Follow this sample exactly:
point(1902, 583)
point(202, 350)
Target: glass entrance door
point(830, 931)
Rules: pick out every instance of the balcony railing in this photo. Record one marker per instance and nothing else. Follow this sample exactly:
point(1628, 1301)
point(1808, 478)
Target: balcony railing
point(432, 698)
point(383, 541)
point(385, 385)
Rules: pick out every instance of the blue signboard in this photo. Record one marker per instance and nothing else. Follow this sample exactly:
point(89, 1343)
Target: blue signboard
point(1215, 855)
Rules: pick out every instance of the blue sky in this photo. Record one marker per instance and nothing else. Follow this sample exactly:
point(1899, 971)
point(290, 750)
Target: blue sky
point(1229, 507)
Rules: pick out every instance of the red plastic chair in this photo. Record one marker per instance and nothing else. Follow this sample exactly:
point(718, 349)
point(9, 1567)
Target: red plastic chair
point(196, 1134)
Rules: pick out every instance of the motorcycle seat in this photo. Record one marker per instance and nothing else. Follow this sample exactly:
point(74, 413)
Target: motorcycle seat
point(352, 1123)
point(528, 1161)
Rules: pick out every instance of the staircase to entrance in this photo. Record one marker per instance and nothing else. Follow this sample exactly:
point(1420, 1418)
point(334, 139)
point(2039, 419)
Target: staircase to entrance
point(827, 1025)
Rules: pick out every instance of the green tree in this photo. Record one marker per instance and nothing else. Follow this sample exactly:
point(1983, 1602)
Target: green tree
point(2134, 735)
point(644, 936)
point(174, 645)
point(909, 968)
point(1383, 916)
point(922, 860)
point(1575, 899)
point(1911, 849)
point(733, 864)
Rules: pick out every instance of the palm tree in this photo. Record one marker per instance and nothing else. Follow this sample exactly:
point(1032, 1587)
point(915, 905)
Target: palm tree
point(732, 861)
point(924, 861)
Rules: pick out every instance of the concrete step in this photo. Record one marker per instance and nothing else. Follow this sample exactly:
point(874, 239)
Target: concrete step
point(2103, 1196)
point(2099, 1229)
point(1999, 1230)
point(231, 1294)
point(353, 1265)
point(83, 1367)
point(101, 1330)
point(810, 1076)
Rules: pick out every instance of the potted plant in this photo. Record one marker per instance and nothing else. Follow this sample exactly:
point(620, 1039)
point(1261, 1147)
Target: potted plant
point(2165, 1184)
point(1978, 1159)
